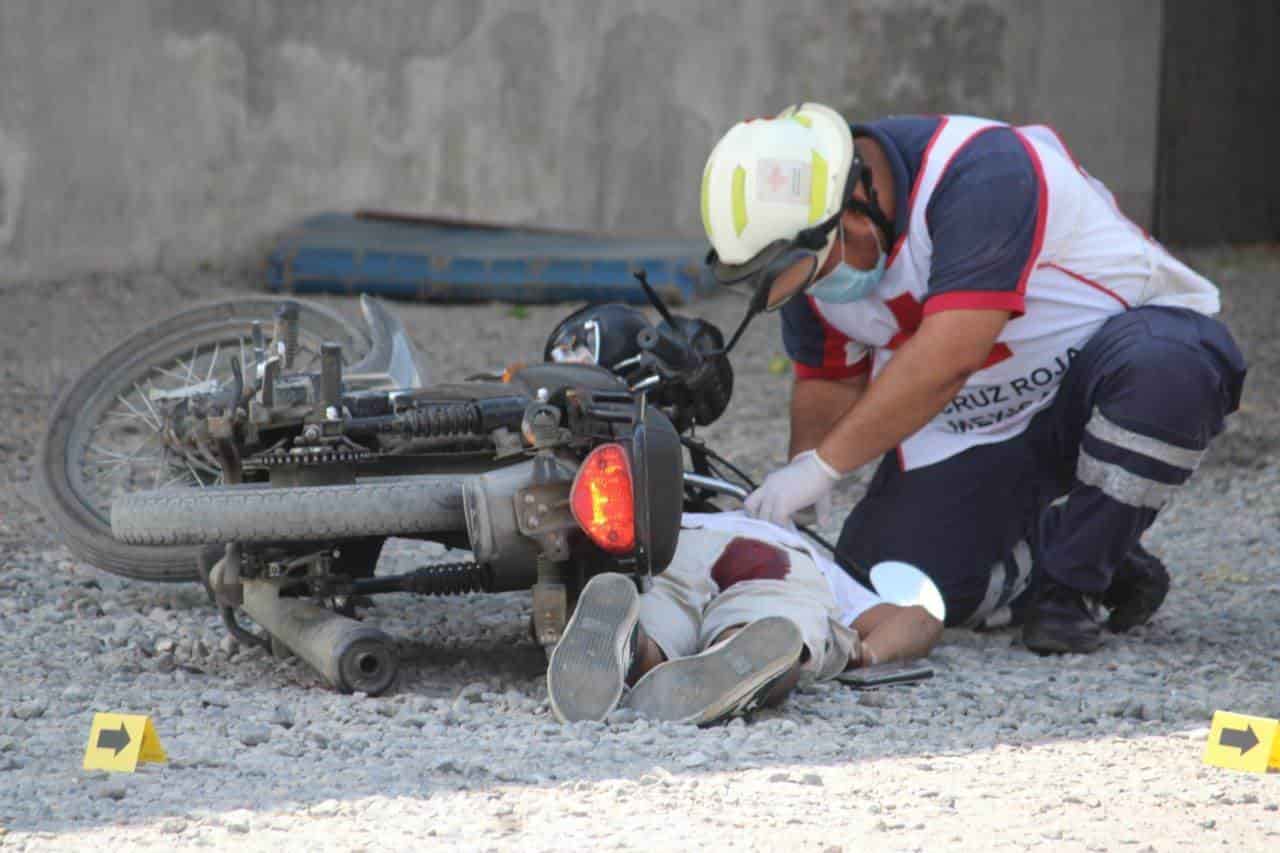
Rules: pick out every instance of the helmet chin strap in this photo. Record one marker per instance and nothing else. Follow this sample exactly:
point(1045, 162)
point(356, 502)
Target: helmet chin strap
point(871, 207)
point(758, 300)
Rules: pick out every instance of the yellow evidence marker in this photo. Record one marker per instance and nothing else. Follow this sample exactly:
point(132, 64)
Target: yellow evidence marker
point(118, 742)
point(1241, 742)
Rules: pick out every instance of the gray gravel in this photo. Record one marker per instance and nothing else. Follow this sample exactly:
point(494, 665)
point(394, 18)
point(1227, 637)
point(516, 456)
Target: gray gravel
point(1002, 750)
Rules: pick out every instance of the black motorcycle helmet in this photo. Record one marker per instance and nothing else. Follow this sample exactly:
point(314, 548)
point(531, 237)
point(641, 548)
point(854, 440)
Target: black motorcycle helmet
point(600, 334)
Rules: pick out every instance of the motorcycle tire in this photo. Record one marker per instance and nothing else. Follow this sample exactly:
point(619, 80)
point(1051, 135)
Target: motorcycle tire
point(258, 513)
point(69, 502)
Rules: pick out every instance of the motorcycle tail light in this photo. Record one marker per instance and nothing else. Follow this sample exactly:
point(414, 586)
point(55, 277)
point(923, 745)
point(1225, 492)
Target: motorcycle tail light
point(603, 501)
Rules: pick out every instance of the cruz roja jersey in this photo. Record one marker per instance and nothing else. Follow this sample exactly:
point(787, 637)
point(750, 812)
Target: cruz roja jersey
point(991, 217)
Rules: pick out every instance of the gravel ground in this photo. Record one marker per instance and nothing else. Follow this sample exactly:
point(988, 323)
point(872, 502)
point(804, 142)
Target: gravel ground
point(1002, 750)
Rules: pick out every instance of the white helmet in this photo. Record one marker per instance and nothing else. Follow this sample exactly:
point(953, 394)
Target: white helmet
point(769, 179)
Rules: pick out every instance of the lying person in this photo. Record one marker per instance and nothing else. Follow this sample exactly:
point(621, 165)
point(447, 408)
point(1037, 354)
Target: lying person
point(746, 610)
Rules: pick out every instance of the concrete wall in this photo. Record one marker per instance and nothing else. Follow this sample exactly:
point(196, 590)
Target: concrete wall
point(136, 133)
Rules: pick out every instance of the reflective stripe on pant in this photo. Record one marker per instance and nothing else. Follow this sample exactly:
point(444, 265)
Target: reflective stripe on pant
point(1134, 414)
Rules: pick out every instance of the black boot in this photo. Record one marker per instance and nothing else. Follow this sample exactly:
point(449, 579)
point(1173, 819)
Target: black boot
point(1060, 620)
point(1137, 590)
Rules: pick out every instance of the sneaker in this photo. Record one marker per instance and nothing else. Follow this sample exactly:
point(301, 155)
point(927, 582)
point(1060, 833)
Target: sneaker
point(1137, 591)
point(729, 678)
point(588, 667)
point(1060, 620)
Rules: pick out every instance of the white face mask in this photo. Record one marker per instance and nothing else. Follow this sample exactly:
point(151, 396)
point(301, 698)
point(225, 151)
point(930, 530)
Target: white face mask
point(846, 284)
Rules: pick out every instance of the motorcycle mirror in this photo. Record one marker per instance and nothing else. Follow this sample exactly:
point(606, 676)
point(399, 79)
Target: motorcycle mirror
point(656, 300)
point(905, 585)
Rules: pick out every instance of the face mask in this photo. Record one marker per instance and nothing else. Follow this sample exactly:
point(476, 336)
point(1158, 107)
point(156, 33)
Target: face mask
point(846, 284)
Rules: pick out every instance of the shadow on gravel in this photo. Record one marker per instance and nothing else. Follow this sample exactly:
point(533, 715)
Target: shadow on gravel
point(250, 735)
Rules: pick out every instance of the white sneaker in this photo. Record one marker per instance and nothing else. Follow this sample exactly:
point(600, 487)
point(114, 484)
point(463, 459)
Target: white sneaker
point(729, 678)
point(589, 665)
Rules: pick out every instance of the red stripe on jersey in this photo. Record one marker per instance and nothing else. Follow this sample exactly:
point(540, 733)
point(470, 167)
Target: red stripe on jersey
point(1042, 213)
point(906, 310)
point(1058, 136)
point(1081, 170)
point(844, 371)
point(1089, 282)
point(915, 188)
point(834, 341)
point(977, 300)
point(999, 352)
point(960, 148)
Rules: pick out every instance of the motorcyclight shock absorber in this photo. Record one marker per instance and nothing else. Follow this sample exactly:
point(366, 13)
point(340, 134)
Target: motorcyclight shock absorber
point(435, 579)
point(285, 335)
point(440, 420)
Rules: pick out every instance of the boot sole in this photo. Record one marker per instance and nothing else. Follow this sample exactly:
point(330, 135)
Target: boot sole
point(1138, 605)
point(1050, 645)
point(1137, 592)
point(707, 687)
point(588, 667)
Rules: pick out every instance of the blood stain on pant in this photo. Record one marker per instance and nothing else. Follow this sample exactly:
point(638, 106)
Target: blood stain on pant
point(750, 560)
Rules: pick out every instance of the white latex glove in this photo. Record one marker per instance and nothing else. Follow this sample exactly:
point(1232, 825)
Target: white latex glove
point(819, 515)
point(806, 481)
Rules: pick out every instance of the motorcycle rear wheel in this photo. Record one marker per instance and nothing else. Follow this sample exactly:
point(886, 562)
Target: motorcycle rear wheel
point(86, 458)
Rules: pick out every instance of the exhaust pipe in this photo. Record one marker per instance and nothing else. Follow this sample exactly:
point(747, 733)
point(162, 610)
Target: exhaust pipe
point(350, 655)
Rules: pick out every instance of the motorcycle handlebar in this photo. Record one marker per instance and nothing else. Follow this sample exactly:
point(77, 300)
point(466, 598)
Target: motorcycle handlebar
point(715, 484)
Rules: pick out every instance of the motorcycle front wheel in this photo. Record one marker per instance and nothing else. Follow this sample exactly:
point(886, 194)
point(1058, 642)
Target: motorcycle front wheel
point(105, 439)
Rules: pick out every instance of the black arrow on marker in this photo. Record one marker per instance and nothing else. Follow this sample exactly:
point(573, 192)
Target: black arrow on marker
point(1242, 739)
point(113, 739)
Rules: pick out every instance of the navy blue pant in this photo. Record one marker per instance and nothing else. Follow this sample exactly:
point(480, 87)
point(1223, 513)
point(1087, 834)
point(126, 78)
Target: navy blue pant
point(1071, 496)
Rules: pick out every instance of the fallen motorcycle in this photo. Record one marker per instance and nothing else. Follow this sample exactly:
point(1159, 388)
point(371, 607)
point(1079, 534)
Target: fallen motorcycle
point(274, 465)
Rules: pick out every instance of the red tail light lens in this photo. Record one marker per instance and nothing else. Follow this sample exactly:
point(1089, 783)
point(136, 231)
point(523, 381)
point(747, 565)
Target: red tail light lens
point(602, 499)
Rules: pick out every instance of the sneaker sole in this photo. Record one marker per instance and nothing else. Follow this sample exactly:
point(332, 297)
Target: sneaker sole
point(707, 687)
point(588, 667)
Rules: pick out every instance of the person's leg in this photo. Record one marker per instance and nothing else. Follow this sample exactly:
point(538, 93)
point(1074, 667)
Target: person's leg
point(768, 628)
point(966, 522)
point(616, 634)
point(732, 676)
point(1134, 416)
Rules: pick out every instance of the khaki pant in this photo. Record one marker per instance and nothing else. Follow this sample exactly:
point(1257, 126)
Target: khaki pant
point(686, 608)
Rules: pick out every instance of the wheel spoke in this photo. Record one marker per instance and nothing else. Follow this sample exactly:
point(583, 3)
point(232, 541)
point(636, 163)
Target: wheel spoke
point(137, 411)
point(181, 478)
point(127, 415)
point(194, 475)
point(111, 465)
point(125, 457)
point(213, 362)
point(170, 373)
point(146, 399)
